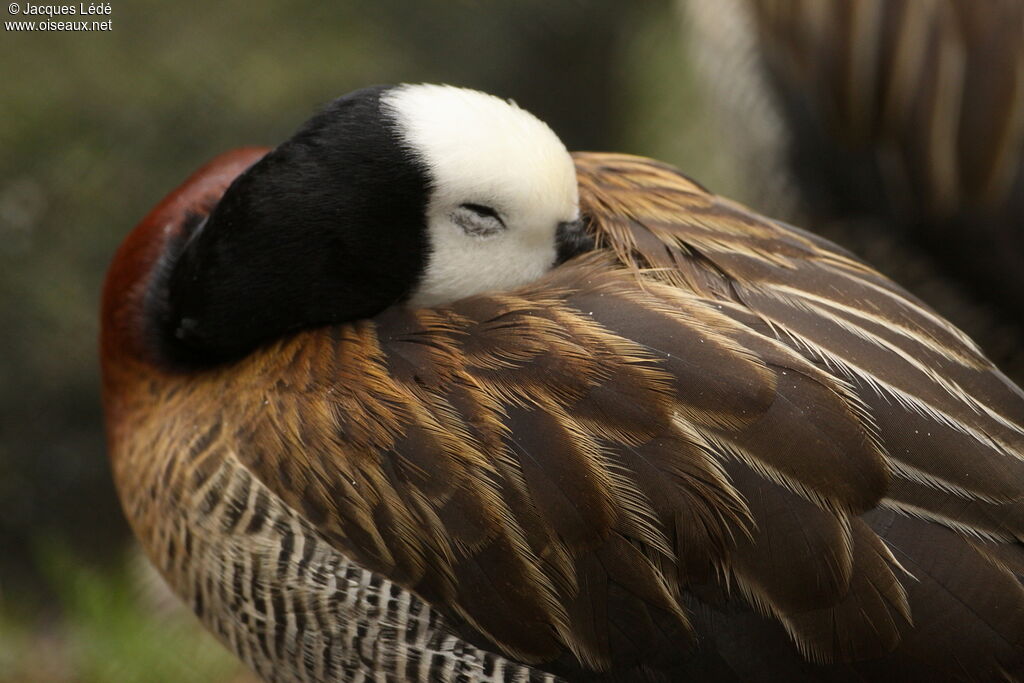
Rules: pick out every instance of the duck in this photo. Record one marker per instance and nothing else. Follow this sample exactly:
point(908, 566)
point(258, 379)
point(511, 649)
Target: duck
point(418, 395)
point(894, 128)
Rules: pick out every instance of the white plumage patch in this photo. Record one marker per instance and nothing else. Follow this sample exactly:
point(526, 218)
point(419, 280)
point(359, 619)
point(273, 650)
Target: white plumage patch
point(484, 155)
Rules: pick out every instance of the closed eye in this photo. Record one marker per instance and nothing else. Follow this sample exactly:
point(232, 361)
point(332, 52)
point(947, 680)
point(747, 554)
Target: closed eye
point(482, 210)
point(478, 220)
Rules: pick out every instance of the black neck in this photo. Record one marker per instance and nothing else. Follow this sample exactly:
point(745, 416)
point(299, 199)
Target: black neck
point(326, 228)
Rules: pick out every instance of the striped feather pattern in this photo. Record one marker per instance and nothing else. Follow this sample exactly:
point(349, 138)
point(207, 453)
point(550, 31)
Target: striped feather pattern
point(936, 85)
point(896, 127)
point(716, 448)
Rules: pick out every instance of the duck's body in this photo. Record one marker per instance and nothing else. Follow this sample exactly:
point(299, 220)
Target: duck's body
point(714, 448)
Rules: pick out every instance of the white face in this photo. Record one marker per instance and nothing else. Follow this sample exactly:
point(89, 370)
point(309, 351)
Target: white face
point(502, 182)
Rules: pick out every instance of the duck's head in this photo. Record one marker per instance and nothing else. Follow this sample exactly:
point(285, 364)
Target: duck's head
point(411, 194)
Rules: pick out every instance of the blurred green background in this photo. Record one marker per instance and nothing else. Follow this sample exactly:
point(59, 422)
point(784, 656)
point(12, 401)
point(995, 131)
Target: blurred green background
point(96, 127)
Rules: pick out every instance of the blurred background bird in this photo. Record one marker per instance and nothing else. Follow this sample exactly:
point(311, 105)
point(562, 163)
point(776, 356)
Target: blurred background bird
point(897, 126)
point(96, 127)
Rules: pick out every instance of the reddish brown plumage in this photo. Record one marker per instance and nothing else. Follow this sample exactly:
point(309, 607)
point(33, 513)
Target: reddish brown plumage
point(123, 322)
point(653, 462)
